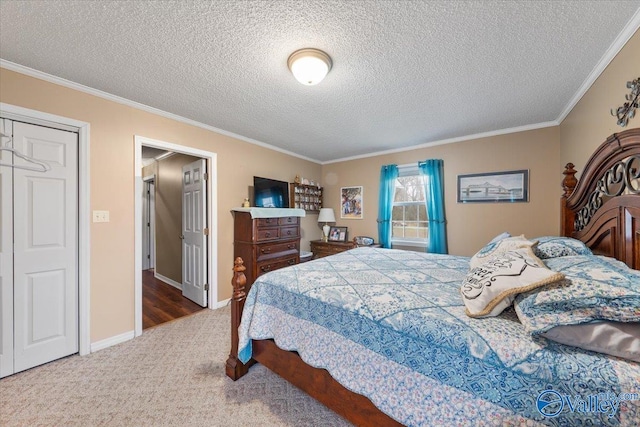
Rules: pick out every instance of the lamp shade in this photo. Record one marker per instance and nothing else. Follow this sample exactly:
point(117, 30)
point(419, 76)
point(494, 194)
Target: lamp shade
point(309, 66)
point(326, 215)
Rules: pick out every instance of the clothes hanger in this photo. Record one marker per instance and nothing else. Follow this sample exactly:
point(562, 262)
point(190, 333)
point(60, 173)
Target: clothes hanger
point(40, 166)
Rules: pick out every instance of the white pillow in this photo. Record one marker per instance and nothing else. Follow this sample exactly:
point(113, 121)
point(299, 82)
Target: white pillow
point(500, 236)
point(491, 287)
point(614, 338)
point(499, 247)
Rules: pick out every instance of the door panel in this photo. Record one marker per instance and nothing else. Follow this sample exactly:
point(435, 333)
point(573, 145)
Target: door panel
point(194, 242)
point(45, 247)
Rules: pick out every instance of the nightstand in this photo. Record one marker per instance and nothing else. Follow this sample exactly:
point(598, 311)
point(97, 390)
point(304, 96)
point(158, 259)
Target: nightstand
point(322, 249)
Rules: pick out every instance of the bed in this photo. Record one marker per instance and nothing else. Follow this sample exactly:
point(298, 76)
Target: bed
point(382, 336)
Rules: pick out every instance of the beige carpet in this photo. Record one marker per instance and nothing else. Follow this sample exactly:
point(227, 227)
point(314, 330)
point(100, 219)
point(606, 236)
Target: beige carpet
point(173, 375)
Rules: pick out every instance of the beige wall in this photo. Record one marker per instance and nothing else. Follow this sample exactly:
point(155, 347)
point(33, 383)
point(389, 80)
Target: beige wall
point(470, 226)
point(113, 127)
point(169, 215)
point(590, 122)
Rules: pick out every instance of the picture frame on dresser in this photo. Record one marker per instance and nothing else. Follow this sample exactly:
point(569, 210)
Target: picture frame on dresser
point(338, 234)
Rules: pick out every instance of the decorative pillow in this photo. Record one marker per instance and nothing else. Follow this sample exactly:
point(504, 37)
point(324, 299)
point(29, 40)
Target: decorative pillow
point(490, 288)
point(614, 338)
point(552, 247)
point(595, 288)
point(493, 249)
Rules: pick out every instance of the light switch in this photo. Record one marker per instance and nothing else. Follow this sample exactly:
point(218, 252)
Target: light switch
point(100, 216)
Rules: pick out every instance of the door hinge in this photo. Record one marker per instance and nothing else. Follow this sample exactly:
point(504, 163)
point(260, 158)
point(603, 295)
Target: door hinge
point(206, 286)
point(148, 256)
point(206, 176)
point(206, 231)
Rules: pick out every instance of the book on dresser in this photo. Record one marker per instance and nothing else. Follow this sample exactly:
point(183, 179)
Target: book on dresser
point(266, 239)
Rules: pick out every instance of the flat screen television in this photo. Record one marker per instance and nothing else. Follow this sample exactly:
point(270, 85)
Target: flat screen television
point(270, 193)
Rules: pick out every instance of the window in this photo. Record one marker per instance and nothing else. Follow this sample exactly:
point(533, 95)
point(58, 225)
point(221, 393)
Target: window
point(409, 214)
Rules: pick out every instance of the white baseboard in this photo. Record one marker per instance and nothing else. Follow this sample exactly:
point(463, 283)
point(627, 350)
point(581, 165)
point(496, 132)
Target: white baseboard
point(167, 280)
point(101, 345)
point(222, 303)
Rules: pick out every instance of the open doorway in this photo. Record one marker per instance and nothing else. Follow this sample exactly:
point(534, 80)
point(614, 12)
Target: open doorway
point(174, 248)
point(166, 292)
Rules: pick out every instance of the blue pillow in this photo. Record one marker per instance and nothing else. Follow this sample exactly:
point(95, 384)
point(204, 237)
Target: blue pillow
point(595, 288)
point(553, 247)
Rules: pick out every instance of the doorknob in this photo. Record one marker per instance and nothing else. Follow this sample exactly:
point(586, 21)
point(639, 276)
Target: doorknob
point(182, 237)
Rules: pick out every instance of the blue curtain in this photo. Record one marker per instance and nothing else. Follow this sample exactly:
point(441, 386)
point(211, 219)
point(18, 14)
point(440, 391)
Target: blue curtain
point(388, 175)
point(433, 170)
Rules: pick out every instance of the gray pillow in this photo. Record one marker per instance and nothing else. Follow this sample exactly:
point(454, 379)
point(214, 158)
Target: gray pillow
point(614, 338)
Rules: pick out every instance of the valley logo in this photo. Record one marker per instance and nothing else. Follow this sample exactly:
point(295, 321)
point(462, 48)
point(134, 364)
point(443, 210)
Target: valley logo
point(550, 403)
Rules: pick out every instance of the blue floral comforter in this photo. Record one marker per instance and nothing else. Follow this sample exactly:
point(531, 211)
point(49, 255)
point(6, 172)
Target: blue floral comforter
point(390, 325)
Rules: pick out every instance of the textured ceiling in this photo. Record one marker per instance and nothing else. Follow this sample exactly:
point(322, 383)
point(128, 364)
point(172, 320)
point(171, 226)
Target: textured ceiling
point(405, 73)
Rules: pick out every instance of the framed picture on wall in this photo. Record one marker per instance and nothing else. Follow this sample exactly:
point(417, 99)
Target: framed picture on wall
point(351, 202)
point(509, 186)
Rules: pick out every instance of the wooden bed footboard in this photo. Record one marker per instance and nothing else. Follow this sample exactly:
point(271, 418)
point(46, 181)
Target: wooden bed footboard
point(234, 367)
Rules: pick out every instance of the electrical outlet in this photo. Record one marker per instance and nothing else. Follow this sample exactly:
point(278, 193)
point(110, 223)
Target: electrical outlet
point(100, 216)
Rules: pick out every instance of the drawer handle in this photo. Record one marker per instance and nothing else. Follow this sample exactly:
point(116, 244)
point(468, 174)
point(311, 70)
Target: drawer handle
point(289, 219)
point(290, 246)
point(268, 221)
point(267, 234)
point(265, 250)
point(265, 268)
point(292, 261)
point(288, 232)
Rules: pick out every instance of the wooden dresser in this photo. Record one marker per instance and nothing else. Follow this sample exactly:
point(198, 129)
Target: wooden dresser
point(322, 249)
point(266, 244)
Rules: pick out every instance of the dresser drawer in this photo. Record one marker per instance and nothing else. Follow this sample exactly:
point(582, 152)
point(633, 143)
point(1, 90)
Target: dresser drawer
point(288, 220)
point(267, 234)
point(322, 249)
point(267, 266)
point(336, 249)
point(267, 222)
point(271, 250)
point(289, 232)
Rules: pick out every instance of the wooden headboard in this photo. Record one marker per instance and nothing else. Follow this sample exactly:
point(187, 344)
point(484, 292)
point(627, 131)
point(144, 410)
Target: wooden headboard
point(602, 209)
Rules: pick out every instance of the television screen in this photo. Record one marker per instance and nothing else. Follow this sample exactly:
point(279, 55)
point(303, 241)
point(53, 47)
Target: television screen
point(269, 193)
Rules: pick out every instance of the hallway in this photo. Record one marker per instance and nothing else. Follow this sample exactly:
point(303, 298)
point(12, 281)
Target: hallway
point(162, 302)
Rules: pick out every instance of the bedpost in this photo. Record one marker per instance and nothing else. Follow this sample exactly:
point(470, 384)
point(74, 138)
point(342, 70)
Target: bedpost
point(234, 368)
point(568, 185)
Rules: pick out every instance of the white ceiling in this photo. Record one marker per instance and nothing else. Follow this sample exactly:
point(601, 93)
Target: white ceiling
point(405, 73)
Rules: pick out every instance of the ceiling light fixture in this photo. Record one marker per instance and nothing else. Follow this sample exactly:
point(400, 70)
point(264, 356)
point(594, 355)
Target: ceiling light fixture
point(309, 66)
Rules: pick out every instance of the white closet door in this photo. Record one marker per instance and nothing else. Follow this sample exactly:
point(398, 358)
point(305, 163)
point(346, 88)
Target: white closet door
point(194, 241)
point(6, 255)
point(45, 247)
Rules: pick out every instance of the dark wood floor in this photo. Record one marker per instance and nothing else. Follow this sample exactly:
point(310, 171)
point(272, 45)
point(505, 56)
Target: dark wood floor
point(162, 302)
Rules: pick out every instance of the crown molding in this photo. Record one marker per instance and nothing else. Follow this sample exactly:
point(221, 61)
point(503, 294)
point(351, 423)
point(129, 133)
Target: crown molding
point(12, 66)
point(627, 32)
point(449, 141)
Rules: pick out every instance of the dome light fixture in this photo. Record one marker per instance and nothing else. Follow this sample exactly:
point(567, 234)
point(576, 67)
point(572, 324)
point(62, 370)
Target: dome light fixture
point(309, 66)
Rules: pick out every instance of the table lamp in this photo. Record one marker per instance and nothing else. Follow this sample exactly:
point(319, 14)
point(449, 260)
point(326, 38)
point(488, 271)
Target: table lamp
point(326, 215)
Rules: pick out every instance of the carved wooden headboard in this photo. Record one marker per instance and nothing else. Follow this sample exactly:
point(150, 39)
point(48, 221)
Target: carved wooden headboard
point(603, 208)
